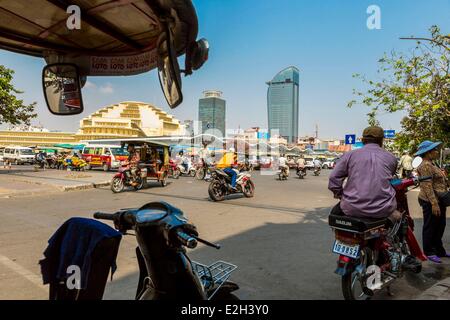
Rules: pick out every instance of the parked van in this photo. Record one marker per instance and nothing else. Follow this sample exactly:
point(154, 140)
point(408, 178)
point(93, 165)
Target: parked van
point(104, 156)
point(19, 155)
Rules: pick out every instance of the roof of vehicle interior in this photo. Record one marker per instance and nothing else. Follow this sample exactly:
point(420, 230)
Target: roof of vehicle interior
point(107, 27)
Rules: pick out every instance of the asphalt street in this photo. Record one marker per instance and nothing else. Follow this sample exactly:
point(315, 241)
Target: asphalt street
point(280, 239)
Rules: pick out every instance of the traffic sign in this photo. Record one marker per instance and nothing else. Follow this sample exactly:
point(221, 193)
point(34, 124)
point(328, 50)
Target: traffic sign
point(389, 133)
point(350, 139)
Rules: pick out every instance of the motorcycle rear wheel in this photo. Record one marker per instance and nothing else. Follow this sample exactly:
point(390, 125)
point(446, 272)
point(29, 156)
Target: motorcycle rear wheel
point(164, 180)
point(351, 281)
point(215, 191)
point(141, 183)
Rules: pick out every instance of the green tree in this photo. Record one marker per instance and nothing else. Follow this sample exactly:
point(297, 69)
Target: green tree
point(417, 83)
point(12, 109)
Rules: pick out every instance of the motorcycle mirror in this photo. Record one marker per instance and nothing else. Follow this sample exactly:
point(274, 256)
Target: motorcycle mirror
point(416, 162)
point(169, 73)
point(62, 89)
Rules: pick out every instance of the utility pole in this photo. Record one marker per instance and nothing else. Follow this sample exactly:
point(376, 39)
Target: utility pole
point(317, 131)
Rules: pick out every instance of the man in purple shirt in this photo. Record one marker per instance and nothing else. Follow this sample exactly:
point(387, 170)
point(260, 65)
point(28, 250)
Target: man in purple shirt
point(367, 192)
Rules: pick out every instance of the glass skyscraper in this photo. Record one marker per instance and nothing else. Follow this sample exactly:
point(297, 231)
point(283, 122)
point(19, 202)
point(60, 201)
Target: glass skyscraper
point(211, 111)
point(282, 103)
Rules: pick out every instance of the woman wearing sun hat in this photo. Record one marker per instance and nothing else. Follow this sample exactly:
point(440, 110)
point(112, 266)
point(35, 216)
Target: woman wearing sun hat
point(434, 215)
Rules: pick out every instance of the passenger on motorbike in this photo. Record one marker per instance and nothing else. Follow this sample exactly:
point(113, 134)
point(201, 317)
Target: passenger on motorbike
point(368, 192)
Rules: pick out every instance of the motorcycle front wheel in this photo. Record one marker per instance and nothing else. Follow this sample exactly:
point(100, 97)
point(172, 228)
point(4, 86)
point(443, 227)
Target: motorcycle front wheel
point(176, 173)
point(215, 191)
point(117, 185)
point(249, 189)
point(352, 283)
point(200, 174)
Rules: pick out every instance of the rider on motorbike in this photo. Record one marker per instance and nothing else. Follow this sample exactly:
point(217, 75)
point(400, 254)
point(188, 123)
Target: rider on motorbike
point(282, 164)
point(301, 162)
point(133, 162)
point(317, 164)
point(368, 192)
point(185, 161)
point(230, 163)
point(40, 158)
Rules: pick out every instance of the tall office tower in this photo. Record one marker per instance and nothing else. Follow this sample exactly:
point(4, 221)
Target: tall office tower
point(282, 103)
point(211, 111)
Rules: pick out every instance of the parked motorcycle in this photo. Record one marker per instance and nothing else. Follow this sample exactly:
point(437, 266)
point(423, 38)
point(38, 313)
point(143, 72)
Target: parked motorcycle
point(220, 185)
point(51, 162)
point(124, 179)
point(375, 252)
point(166, 272)
point(301, 172)
point(283, 173)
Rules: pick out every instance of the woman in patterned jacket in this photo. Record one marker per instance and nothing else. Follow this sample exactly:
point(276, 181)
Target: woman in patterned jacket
point(434, 213)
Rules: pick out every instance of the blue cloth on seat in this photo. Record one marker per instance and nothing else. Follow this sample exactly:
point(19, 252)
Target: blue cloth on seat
point(73, 244)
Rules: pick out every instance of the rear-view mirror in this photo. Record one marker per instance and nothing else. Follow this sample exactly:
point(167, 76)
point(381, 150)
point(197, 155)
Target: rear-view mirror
point(169, 73)
point(62, 90)
point(416, 162)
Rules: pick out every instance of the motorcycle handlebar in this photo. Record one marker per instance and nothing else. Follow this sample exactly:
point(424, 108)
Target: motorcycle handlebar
point(420, 179)
point(124, 220)
point(104, 216)
point(186, 239)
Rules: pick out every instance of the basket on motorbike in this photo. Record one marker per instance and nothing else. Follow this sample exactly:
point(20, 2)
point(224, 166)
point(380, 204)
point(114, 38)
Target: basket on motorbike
point(214, 274)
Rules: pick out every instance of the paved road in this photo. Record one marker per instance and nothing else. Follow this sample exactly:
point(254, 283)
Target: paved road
point(279, 239)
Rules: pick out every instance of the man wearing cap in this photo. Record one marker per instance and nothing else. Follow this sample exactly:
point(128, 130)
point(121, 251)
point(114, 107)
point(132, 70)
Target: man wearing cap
point(368, 170)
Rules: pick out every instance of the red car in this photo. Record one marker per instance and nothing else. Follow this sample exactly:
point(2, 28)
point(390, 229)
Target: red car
point(104, 156)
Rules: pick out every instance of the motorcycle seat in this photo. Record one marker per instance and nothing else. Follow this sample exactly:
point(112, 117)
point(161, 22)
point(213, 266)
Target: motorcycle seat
point(355, 224)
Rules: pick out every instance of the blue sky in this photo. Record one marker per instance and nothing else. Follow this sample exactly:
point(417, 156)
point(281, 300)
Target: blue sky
point(251, 40)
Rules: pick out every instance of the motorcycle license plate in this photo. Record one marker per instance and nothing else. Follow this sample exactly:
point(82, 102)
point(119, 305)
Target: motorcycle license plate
point(344, 249)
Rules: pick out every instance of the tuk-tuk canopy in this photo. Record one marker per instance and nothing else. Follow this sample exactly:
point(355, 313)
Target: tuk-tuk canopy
point(107, 28)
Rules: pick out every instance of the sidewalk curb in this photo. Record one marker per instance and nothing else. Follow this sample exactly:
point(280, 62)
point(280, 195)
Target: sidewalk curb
point(86, 186)
point(439, 291)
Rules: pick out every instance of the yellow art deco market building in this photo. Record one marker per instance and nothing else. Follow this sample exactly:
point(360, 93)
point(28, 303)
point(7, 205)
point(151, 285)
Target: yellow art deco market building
point(124, 119)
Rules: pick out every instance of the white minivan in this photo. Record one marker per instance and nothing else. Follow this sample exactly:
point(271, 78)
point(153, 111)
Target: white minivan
point(19, 155)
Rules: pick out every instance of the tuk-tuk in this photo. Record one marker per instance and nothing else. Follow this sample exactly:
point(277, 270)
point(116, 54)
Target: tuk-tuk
point(154, 159)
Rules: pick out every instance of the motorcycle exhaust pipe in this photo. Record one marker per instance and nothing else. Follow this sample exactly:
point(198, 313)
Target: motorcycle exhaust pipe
point(371, 291)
